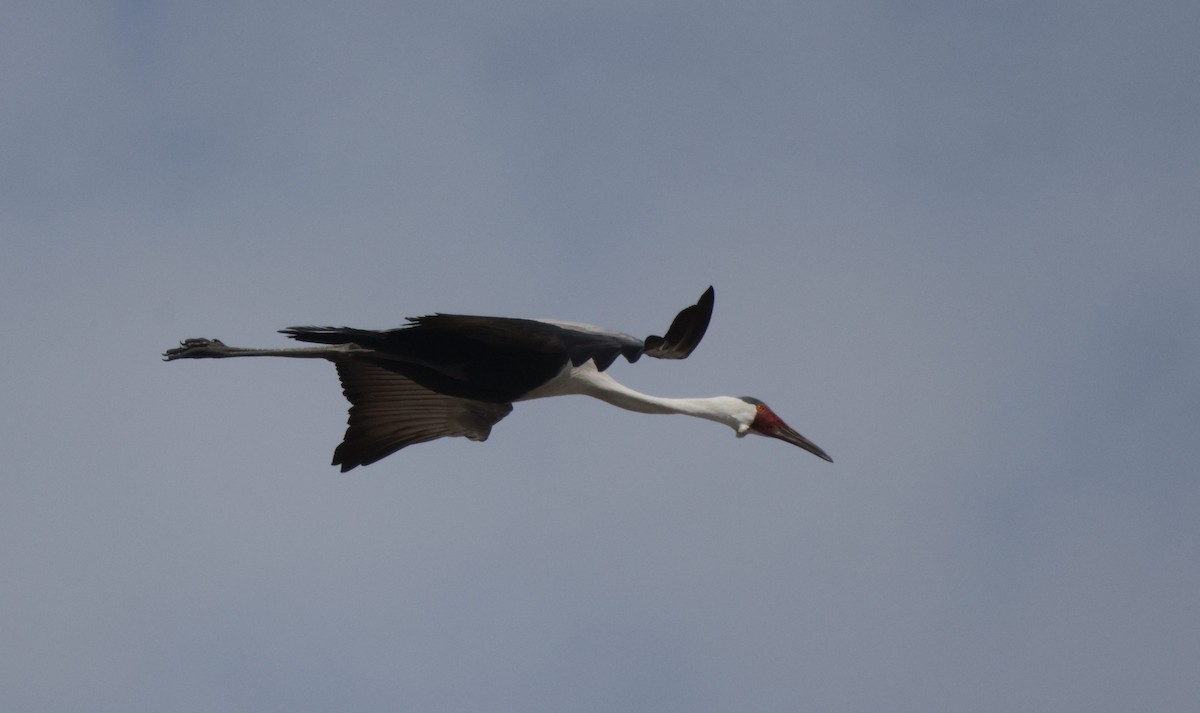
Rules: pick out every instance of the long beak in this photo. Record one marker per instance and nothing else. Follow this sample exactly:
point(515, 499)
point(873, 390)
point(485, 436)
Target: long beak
point(789, 434)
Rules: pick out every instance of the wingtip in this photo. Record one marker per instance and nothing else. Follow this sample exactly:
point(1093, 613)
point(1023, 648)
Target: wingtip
point(708, 300)
point(686, 330)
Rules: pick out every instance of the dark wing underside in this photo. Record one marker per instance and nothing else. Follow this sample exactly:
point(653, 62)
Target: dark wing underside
point(389, 411)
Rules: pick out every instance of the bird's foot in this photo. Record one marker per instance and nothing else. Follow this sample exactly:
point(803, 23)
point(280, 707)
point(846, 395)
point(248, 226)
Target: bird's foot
point(197, 349)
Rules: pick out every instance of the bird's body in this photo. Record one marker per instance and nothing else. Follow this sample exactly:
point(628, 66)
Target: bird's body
point(458, 375)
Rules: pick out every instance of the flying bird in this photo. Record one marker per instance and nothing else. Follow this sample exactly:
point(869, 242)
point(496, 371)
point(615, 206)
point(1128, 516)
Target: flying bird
point(458, 375)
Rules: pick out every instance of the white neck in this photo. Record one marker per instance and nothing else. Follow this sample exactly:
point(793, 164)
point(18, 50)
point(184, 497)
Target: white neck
point(588, 381)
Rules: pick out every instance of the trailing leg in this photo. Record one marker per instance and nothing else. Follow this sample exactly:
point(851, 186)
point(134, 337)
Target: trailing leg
point(216, 349)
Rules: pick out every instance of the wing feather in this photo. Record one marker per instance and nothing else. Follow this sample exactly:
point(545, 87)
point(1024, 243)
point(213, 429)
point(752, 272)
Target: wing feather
point(686, 330)
point(389, 411)
point(497, 360)
point(603, 346)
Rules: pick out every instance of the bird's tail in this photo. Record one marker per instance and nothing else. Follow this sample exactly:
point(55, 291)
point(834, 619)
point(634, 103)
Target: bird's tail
point(331, 335)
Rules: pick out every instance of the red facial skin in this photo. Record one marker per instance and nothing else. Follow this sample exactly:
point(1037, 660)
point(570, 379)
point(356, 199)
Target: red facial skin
point(768, 424)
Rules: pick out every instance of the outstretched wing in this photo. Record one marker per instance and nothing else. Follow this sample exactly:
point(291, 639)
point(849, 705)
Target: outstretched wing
point(499, 359)
point(585, 342)
point(389, 411)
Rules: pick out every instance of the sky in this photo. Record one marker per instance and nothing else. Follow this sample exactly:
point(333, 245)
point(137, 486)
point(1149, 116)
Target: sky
point(953, 243)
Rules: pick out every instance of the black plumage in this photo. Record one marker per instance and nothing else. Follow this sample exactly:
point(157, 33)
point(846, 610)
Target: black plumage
point(500, 359)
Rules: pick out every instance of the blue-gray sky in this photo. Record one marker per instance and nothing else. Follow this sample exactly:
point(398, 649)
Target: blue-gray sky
point(956, 244)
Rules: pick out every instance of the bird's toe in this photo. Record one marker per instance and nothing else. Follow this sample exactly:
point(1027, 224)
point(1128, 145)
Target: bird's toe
point(193, 348)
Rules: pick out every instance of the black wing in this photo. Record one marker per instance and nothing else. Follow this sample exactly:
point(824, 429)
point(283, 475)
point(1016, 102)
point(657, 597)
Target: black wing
point(604, 345)
point(500, 359)
point(686, 331)
point(491, 359)
point(389, 411)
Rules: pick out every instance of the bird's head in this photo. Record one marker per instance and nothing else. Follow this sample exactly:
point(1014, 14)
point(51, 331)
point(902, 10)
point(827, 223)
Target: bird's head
point(766, 423)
